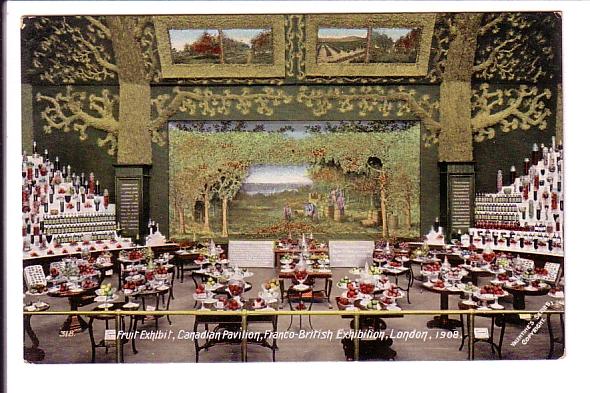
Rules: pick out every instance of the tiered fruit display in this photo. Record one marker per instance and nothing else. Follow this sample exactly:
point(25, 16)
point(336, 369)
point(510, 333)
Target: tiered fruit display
point(59, 206)
point(528, 213)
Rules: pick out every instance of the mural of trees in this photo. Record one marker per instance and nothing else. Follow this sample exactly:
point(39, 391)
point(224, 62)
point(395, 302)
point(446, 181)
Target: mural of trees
point(337, 154)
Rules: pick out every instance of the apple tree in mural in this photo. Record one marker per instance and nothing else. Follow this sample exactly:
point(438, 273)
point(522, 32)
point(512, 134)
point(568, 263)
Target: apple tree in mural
point(337, 157)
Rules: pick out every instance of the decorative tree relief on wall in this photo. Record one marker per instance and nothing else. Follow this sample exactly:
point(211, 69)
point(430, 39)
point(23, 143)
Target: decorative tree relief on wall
point(263, 179)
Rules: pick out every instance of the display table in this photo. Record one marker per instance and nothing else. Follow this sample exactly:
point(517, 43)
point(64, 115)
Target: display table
point(325, 275)
point(296, 251)
point(45, 260)
point(233, 323)
point(519, 293)
point(73, 323)
point(369, 349)
point(496, 347)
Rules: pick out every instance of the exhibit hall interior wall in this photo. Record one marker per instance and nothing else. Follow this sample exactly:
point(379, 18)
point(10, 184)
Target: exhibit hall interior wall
point(482, 88)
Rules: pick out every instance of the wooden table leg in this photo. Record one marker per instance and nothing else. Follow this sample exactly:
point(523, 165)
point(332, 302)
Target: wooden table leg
point(443, 321)
point(33, 353)
point(73, 323)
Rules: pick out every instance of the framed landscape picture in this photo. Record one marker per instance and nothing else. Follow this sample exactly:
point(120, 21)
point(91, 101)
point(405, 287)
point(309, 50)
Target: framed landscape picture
point(369, 45)
point(221, 46)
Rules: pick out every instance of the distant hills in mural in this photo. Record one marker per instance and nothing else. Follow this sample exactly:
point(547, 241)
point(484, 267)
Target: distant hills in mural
point(264, 179)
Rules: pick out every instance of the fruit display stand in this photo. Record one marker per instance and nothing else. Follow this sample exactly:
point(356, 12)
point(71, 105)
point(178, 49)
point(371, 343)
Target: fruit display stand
point(527, 215)
point(60, 207)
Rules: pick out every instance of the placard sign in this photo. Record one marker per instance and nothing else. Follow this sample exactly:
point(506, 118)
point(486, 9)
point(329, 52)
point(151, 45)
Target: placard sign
point(460, 198)
point(251, 253)
point(351, 253)
point(129, 209)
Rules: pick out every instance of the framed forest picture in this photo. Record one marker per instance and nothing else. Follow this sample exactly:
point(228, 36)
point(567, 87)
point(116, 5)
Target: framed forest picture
point(221, 46)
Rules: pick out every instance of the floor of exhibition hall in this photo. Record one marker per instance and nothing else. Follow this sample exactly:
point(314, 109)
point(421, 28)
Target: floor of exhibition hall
point(424, 344)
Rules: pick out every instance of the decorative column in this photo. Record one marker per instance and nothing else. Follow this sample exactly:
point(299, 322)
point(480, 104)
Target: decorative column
point(457, 169)
point(457, 183)
point(132, 198)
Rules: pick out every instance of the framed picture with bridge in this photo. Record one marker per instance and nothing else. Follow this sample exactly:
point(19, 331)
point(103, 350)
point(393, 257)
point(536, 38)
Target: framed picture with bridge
point(369, 45)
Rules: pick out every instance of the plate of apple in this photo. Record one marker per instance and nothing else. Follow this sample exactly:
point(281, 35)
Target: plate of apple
point(233, 304)
point(345, 303)
point(393, 293)
point(258, 303)
point(394, 264)
point(536, 285)
point(370, 304)
point(351, 294)
point(501, 279)
point(490, 292)
point(388, 303)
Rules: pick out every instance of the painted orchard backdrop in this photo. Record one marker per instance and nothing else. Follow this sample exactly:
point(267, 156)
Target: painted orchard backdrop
point(266, 179)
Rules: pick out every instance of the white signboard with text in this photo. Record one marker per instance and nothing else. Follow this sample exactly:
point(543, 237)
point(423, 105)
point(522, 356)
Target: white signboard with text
point(251, 253)
point(351, 253)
